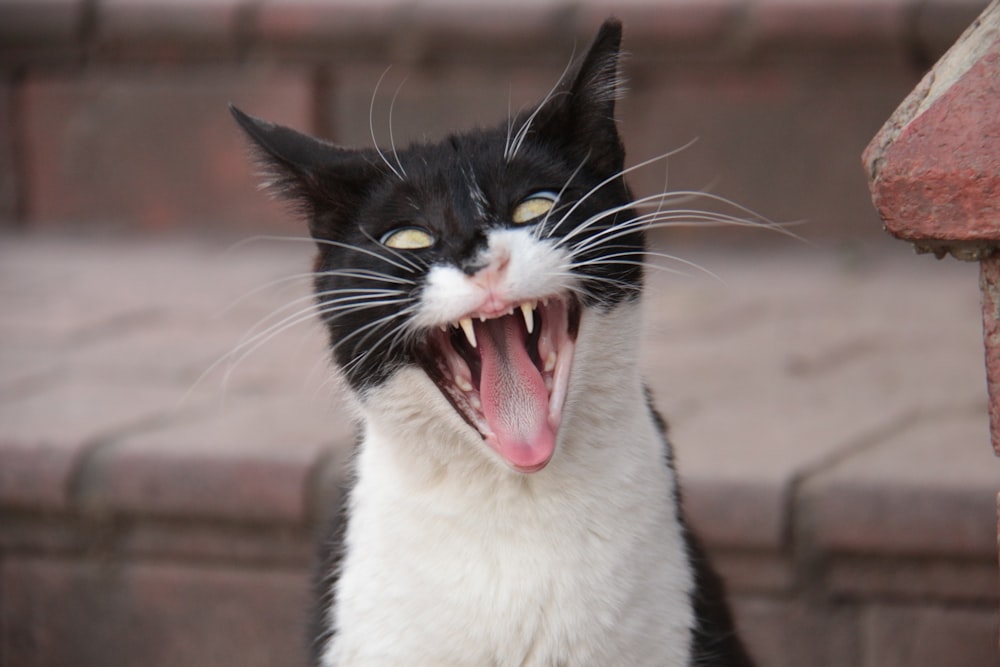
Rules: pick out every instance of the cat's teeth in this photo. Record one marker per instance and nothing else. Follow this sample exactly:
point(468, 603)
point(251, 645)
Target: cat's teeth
point(470, 333)
point(550, 362)
point(528, 311)
point(476, 403)
point(462, 383)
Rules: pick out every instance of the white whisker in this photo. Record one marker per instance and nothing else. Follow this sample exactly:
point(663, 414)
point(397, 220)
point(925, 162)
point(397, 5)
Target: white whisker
point(371, 125)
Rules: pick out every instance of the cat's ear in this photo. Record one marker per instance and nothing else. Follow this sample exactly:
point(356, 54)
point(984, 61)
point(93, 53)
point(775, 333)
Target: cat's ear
point(582, 114)
point(325, 182)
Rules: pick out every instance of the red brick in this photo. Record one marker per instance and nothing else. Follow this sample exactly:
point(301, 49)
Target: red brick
point(743, 117)
point(934, 168)
point(10, 182)
point(168, 29)
point(926, 636)
point(47, 21)
point(315, 28)
point(989, 285)
point(841, 22)
point(105, 613)
point(654, 25)
point(251, 461)
point(430, 103)
point(922, 577)
point(153, 150)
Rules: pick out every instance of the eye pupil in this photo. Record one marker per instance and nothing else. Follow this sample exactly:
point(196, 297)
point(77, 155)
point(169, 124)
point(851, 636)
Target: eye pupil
point(533, 207)
point(407, 238)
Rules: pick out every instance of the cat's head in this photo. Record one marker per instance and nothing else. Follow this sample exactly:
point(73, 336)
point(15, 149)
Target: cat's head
point(473, 258)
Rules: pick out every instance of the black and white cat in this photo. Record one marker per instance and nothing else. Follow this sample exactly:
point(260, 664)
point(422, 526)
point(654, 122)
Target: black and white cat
point(514, 501)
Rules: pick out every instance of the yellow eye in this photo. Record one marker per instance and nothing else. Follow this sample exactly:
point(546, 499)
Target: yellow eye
point(533, 208)
point(408, 238)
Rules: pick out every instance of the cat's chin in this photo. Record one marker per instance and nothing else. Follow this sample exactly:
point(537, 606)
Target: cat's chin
point(507, 375)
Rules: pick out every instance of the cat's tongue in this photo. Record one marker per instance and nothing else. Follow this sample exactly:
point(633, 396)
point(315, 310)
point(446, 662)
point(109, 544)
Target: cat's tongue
point(515, 400)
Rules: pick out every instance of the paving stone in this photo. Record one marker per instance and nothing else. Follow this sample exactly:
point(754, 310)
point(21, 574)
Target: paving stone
point(759, 394)
point(44, 436)
point(897, 636)
point(787, 633)
point(158, 150)
point(97, 613)
point(929, 490)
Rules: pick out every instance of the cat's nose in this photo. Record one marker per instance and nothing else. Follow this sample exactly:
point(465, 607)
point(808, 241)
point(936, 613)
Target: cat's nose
point(488, 265)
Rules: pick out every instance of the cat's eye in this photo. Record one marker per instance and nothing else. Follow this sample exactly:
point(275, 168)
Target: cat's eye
point(407, 238)
point(533, 207)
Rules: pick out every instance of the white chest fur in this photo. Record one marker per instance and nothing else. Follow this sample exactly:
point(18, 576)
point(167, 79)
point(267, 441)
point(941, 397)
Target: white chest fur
point(452, 559)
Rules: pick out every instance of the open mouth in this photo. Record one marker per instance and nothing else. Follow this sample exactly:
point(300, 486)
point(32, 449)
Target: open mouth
point(508, 376)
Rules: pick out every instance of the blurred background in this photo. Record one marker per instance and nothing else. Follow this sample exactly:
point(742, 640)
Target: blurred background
point(827, 395)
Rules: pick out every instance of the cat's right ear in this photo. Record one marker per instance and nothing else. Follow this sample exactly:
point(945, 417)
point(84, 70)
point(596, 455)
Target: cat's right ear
point(325, 182)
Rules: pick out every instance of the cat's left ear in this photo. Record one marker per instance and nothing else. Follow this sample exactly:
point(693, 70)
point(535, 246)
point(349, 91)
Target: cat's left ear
point(582, 114)
point(326, 183)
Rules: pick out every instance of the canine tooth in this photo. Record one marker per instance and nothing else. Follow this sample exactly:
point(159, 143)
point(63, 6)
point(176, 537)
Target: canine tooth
point(470, 333)
point(550, 362)
point(529, 316)
point(462, 383)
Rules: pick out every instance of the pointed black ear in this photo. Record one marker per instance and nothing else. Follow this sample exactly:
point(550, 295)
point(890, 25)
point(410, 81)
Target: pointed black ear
point(580, 117)
point(326, 183)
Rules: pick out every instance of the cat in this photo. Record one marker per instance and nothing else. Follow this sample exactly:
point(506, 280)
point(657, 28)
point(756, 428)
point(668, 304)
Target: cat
point(514, 500)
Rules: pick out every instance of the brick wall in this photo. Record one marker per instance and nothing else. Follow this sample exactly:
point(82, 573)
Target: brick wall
point(112, 112)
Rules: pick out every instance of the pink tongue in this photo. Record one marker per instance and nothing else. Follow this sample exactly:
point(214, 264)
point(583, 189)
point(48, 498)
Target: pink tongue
point(515, 401)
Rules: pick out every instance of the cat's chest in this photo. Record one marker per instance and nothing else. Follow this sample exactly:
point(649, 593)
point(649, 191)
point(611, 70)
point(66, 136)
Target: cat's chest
point(564, 573)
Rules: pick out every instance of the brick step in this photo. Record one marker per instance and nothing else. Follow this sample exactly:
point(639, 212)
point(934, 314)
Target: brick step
point(829, 414)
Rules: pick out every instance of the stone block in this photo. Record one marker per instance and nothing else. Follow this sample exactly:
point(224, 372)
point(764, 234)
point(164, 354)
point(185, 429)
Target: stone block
point(153, 151)
point(934, 168)
point(96, 613)
point(989, 285)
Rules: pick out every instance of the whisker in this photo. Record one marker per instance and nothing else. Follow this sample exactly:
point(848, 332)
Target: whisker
point(522, 132)
point(392, 140)
point(619, 175)
point(371, 125)
point(360, 274)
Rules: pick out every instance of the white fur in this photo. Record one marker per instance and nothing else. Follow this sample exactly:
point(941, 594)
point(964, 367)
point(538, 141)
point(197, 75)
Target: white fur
point(454, 559)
